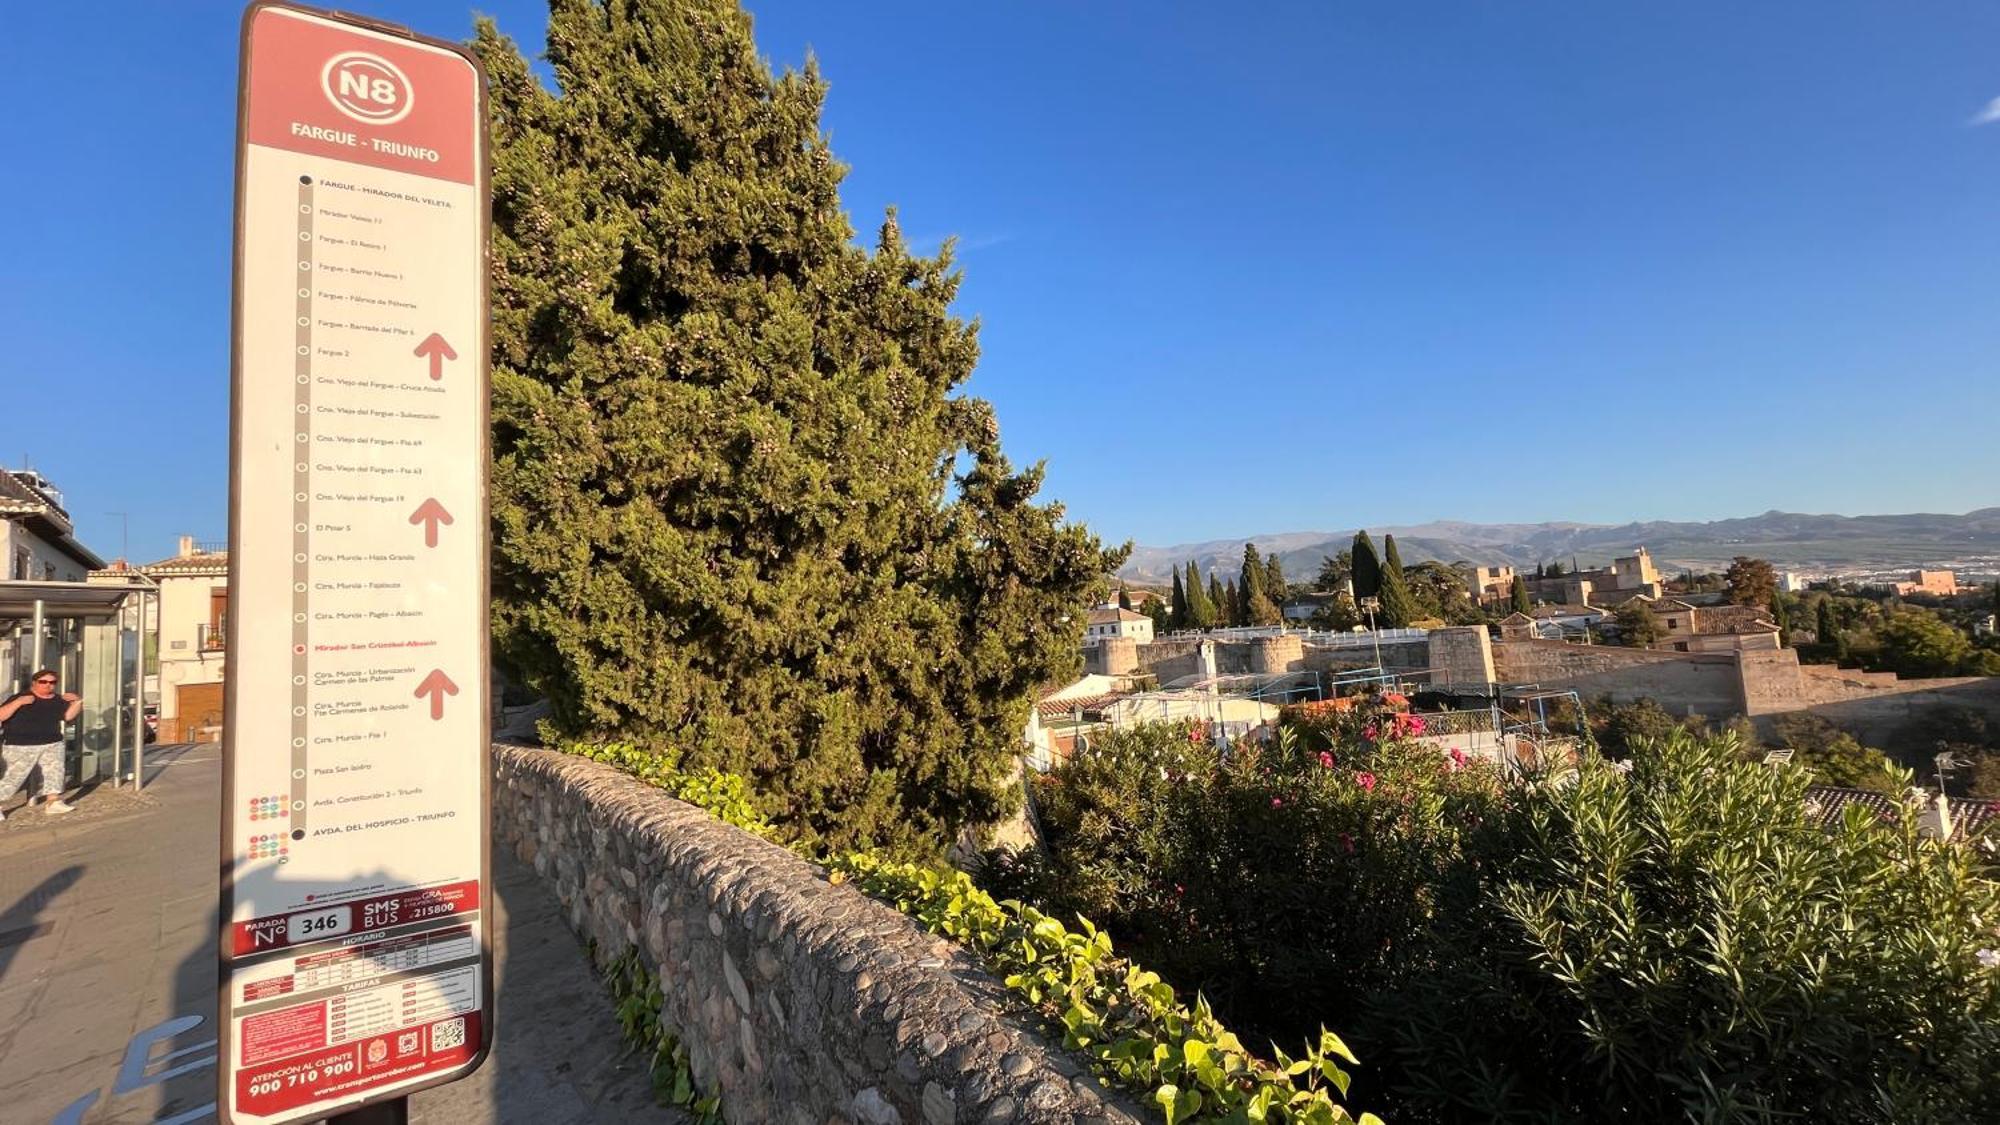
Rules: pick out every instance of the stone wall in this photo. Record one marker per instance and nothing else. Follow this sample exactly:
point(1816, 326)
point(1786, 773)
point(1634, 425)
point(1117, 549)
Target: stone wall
point(1683, 683)
point(799, 1001)
point(1462, 656)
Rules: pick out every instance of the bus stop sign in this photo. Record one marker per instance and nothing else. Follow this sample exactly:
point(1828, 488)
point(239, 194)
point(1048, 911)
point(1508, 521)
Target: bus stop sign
point(356, 893)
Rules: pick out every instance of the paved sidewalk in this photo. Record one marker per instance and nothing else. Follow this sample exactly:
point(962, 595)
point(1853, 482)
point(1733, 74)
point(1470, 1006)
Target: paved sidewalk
point(107, 974)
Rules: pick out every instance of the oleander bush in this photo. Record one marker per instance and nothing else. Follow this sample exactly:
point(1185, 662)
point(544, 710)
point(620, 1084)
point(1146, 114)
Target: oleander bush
point(1286, 882)
point(1679, 939)
point(1671, 936)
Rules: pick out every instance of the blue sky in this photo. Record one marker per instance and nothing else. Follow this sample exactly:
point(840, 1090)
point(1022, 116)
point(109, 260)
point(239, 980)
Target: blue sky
point(1307, 266)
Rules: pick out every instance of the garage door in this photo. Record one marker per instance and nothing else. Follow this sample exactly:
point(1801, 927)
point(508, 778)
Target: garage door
point(199, 709)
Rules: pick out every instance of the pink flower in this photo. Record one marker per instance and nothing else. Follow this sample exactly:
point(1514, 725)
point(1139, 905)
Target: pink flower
point(1277, 802)
point(1457, 758)
point(1326, 759)
point(1347, 843)
point(1365, 780)
point(1369, 732)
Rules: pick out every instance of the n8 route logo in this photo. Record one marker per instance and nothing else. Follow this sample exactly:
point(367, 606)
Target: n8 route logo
point(368, 88)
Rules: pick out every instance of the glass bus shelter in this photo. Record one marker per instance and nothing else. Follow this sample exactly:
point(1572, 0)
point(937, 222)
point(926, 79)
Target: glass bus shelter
point(93, 634)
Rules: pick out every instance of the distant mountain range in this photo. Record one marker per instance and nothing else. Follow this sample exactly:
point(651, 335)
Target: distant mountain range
point(1809, 543)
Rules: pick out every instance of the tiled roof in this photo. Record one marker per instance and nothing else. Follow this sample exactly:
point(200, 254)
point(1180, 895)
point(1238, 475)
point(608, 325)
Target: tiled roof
point(204, 563)
point(18, 498)
point(1828, 804)
point(1114, 615)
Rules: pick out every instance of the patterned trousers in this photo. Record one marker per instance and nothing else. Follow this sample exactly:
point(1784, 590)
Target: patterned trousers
point(21, 760)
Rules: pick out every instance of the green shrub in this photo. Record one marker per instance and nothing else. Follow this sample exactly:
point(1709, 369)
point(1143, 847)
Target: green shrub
point(1125, 1019)
point(1284, 882)
point(1683, 941)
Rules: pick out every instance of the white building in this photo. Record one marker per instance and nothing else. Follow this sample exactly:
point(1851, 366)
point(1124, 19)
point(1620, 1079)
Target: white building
point(37, 543)
point(193, 623)
point(1115, 622)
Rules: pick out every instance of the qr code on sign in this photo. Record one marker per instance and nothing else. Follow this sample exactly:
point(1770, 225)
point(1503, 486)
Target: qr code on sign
point(446, 1034)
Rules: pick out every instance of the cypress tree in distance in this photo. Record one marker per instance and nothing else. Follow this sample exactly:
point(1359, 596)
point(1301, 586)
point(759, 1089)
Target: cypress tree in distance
point(1275, 586)
point(1177, 613)
point(1256, 606)
point(1367, 572)
point(1223, 614)
point(1233, 598)
point(1201, 607)
point(740, 510)
point(1518, 595)
point(1398, 607)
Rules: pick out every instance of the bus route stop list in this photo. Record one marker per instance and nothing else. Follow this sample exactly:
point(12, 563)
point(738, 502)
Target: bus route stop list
point(353, 943)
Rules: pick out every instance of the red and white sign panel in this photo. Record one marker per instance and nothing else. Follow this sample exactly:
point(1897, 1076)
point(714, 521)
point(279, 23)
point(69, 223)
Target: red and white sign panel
point(355, 885)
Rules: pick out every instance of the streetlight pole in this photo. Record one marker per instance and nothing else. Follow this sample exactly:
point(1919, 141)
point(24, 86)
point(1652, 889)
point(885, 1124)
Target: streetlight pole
point(1369, 606)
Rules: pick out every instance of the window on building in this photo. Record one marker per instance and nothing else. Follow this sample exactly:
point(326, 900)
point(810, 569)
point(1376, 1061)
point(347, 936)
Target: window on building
point(21, 564)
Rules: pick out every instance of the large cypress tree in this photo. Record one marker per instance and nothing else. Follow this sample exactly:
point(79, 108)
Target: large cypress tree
point(1517, 595)
point(1177, 614)
point(1225, 614)
point(729, 513)
point(1398, 607)
point(1367, 572)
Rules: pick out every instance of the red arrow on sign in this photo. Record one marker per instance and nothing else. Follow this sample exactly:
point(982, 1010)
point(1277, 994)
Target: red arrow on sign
point(438, 351)
point(430, 513)
point(437, 685)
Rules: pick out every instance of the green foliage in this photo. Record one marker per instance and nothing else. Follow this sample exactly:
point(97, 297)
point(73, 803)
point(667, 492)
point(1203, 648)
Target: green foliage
point(1225, 608)
point(1398, 607)
point(1335, 572)
point(1751, 581)
point(635, 992)
point(1683, 941)
point(1256, 604)
point(1124, 1019)
point(1275, 586)
point(1179, 615)
point(1365, 568)
point(1517, 596)
point(1638, 625)
point(1281, 881)
point(1915, 642)
point(1202, 608)
point(1835, 757)
point(740, 505)
point(727, 796)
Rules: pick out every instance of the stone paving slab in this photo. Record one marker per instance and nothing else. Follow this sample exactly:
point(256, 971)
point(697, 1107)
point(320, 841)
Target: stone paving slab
point(108, 981)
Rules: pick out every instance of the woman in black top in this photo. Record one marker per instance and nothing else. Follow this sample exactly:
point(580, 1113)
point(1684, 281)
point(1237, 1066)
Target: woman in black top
point(32, 736)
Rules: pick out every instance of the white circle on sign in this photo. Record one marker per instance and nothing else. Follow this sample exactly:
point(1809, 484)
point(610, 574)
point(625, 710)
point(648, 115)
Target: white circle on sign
point(299, 742)
point(299, 496)
point(302, 380)
point(305, 208)
point(298, 804)
point(298, 558)
point(303, 349)
point(367, 87)
point(305, 265)
point(300, 467)
point(300, 528)
point(305, 236)
point(298, 679)
point(303, 321)
point(298, 710)
point(299, 588)
point(302, 408)
point(305, 292)
point(302, 437)
point(299, 616)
